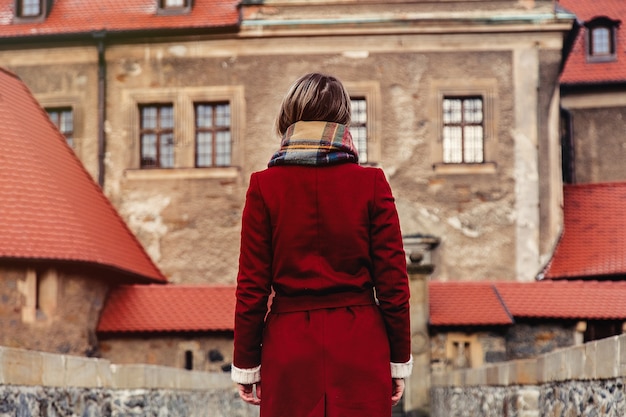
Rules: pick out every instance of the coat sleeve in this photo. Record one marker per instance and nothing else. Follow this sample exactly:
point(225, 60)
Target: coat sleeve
point(390, 274)
point(253, 285)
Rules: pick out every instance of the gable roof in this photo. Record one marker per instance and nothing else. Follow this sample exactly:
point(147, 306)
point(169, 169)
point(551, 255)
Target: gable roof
point(168, 308)
point(577, 69)
point(593, 243)
point(51, 208)
point(483, 303)
point(116, 16)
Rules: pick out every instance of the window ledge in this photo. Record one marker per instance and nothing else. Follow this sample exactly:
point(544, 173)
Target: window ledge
point(465, 169)
point(181, 173)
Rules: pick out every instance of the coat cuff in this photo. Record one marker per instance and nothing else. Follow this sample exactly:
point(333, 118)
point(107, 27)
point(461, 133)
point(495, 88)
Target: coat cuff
point(402, 370)
point(245, 376)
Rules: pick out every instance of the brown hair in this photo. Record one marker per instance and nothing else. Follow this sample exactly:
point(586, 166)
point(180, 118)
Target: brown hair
point(314, 97)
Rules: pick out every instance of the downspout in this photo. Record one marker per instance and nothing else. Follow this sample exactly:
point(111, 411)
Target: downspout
point(100, 37)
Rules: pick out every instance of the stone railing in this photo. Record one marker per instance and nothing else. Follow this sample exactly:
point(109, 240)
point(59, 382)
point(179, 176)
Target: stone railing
point(584, 380)
point(37, 383)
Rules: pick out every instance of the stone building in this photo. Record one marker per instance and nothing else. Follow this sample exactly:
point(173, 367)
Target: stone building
point(170, 106)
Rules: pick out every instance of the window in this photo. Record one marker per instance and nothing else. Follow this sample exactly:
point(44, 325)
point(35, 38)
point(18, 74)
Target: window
point(29, 8)
point(213, 138)
point(63, 119)
point(191, 132)
point(189, 360)
point(358, 126)
point(463, 132)
point(157, 136)
point(174, 6)
point(601, 39)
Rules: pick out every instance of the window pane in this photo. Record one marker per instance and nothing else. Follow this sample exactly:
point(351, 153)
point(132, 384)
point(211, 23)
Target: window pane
point(31, 8)
point(601, 41)
point(222, 115)
point(204, 116)
point(204, 149)
point(63, 119)
point(167, 151)
point(358, 127)
point(451, 111)
point(473, 110)
point(473, 149)
point(173, 3)
point(359, 137)
point(148, 150)
point(452, 144)
point(167, 117)
point(222, 157)
point(359, 111)
point(149, 117)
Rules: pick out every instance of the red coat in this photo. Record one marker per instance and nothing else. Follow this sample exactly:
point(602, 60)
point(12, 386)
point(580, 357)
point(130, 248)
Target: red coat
point(311, 233)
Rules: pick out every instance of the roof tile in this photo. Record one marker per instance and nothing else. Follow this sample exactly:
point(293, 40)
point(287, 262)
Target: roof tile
point(51, 207)
point(577, 68)
point(593, 242)
point(168, 308)
point(79, 16)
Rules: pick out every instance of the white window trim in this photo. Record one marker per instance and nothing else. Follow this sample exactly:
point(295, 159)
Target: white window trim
point(485, 88)
point(183, 101)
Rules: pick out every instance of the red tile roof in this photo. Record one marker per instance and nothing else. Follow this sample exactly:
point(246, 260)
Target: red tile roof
point(51, 208)
point(489, 303)
point(466, 304)
point(593, 243)
point(168, 308)
point(590, 300)
point(577, 70)
point(80, 16)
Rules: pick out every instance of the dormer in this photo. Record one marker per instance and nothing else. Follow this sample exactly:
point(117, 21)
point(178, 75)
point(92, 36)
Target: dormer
point(170, 7)
point(601, 39)
point(32, 10)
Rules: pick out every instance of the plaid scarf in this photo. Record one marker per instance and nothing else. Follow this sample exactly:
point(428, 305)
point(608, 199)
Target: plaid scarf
point(315, 143)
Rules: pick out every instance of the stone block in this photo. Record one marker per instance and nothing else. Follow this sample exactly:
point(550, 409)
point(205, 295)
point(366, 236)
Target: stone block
point(525, 372)
point(53, 370)
point(80, 372)
point(575, 359)
point(555, 366)
point(622, 354)
point(590, 360)
point(167, 377)
point(607, 358)
point(21, 367)
point(128, 376)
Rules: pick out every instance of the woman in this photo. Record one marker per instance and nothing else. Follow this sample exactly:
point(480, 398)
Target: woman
point(322, 233)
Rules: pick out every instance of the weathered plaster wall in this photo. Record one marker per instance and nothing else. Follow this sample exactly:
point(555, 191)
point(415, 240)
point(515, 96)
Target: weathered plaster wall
point(210, 353)
point(68, 328)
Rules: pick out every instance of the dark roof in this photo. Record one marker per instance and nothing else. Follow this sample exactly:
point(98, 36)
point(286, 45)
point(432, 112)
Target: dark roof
point(51, 208)
point(168, 308)
point(593, 242)
point(578, 70)
point(79, 17)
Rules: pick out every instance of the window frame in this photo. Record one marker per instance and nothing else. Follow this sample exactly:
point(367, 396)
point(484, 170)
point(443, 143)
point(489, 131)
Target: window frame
point(159, 132)
point(370, 92)
point(164, 9)
point(462, 124)
point(214, 130)
point(69, 139)
point(483, 87)
point(184, 130)
point(21, 17)
point(601, 23)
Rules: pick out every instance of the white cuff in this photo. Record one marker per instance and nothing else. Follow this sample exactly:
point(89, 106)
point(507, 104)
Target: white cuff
point(402, 370)
point(245, 376)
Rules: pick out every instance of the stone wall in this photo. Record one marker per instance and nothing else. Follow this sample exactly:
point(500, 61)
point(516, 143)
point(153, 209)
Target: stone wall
point(44, 384)
point(585, 380)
